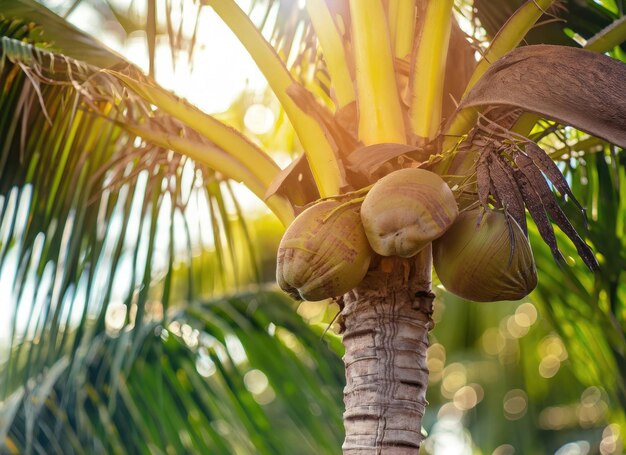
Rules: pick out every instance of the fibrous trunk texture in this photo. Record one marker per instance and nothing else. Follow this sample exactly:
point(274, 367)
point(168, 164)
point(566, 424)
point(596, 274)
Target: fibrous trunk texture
point(386, 321)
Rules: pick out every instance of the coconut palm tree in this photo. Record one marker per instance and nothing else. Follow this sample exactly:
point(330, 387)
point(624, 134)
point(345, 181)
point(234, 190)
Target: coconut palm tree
point(397, 96)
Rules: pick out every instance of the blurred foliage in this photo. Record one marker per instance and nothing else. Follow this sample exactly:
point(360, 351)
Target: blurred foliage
point(216, 379)
point(585, 18)
point(118, 344)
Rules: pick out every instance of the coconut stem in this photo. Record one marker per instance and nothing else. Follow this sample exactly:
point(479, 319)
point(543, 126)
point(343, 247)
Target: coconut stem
point(386, 321)
point(343, 206)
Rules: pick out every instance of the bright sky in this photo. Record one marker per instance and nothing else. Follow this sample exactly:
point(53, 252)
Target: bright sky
point(222, 70)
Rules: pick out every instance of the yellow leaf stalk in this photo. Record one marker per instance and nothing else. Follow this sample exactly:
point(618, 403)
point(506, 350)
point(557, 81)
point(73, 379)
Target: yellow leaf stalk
point(525, 123)
point(508, 38)
point(401, 16)
point(510, 35)
point(334, 51)
point(317, 146)
point(611, 36)
point(380, 114)
point(429, 69)
point(225, 137)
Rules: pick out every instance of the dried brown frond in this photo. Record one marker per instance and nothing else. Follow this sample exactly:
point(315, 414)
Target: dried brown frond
point(551, 171)
point(547, 199)
point(374, 161)
point(510, 174)
point(538, 213)
point(296, 182)
point(554, 80)
point(507, 191)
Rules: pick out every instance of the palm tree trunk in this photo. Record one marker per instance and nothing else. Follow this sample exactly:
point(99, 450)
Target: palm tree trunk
point(385, 322)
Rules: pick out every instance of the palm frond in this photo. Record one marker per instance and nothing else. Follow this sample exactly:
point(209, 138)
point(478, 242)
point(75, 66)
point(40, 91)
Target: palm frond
point(217, 377)
point(33, 23)
point(583, 18)
point(93, 215)
point(102, 232)
point(588, 310)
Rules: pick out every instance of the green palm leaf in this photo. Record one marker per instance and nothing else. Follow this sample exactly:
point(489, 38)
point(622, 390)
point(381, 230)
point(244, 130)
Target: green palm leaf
point(216, 377)
point(23, 19)
point(111, 351)
point(88, 207)
point(588, 311)
point(84, 202)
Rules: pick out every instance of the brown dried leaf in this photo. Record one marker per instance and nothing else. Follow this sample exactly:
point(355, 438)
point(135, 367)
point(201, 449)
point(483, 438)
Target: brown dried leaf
point(368, 160)
point(402, 66)
point(541, 188)
point(296, 183)
point(504, 116)
point(506, 190)
point(573, 86)
point(550, 169)
point(538, 213)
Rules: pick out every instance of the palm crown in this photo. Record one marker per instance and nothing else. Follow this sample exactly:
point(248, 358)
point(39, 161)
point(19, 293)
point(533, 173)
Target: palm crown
point(399, 87)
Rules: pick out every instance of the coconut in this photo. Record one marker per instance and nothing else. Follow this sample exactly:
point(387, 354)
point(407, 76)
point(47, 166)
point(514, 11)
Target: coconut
point(485, 262)
point(406, 210)
point(324, 253)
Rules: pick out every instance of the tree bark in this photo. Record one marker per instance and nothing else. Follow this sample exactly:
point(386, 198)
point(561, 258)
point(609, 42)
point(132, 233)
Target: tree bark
point(386, 321)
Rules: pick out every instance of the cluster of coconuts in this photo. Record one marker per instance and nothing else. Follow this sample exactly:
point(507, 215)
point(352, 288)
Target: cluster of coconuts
point(327, 250)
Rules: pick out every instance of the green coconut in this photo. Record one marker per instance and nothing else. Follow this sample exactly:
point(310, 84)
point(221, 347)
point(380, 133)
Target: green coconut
point(485, 262)
point(324, 253)
point(406, 210)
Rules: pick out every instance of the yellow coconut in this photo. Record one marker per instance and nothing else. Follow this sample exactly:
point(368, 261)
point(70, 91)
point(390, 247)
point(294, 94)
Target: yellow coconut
point(324, 253)
point(406, 210)
point(487, 262)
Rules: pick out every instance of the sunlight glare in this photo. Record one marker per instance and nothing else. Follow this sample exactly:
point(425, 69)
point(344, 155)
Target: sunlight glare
point(515, 404)
point(448, 436)
point(259, 119)
point(574, 448)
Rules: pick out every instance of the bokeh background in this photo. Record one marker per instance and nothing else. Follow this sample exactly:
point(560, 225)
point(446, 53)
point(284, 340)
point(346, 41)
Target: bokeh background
point(140, 315)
